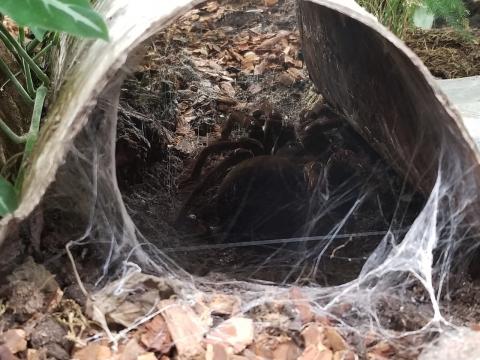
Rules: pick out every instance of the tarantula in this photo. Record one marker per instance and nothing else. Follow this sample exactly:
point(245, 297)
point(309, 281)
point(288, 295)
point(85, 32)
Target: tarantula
point(267, 179)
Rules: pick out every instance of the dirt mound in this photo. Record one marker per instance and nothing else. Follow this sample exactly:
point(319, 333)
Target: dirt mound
point(447, 53)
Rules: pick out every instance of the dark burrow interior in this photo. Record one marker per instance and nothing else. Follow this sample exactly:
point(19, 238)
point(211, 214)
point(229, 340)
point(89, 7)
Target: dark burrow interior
point(270, 184)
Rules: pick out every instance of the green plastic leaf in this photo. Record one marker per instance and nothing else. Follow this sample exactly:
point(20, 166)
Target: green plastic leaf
point(453, 12)
point(8, 197)
point(75, 17)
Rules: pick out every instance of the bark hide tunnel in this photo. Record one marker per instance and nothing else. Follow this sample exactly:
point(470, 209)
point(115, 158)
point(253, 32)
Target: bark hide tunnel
point(388, 95)
point(362, 69)
point(384, 90)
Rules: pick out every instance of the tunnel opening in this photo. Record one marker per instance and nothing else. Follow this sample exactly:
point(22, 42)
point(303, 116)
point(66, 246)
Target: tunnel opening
point(231, 161)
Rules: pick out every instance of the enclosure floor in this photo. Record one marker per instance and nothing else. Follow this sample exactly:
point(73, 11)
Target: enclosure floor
point(223, 57)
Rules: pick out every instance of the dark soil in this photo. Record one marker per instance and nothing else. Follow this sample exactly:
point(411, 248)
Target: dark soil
point(447, 53)
point(450, 53)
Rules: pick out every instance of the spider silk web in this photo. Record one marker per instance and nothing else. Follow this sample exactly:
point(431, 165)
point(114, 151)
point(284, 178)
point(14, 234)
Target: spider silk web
point(410, 256)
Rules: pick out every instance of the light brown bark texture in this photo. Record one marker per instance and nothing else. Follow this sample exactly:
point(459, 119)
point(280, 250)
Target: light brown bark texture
point(361, 68)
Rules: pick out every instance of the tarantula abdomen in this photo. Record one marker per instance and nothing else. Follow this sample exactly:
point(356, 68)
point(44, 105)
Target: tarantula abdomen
point(263, 198)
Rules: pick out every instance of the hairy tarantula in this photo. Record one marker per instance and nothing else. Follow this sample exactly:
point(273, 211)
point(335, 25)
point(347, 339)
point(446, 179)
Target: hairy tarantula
point(267, 180)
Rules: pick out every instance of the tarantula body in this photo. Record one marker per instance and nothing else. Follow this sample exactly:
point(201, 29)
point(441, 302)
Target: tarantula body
point(264, 189)
point(263, 197)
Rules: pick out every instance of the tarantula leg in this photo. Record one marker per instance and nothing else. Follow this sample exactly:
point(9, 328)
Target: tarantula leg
point(235, 118)
point(253, 124)
point(213, 177)
point(245, 143)
point(273, 128)
point(286, 136)
point(314, 139)
point(322, 115)
point(313, 126)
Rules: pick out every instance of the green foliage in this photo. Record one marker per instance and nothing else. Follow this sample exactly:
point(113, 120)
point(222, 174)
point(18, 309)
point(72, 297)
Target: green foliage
point(44, 18)
point(394, 14)
point(397, 15)
point(8, 197)
point(71, 16)
point(452, 11)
